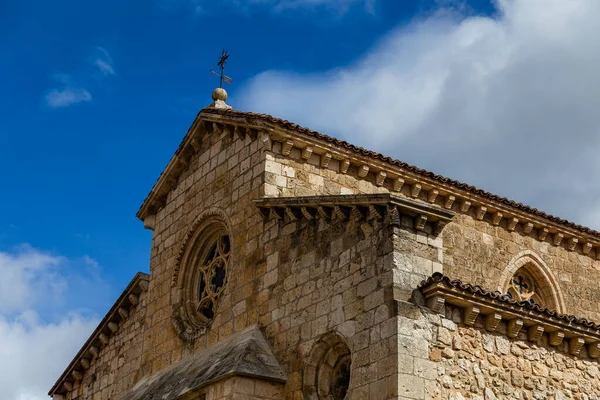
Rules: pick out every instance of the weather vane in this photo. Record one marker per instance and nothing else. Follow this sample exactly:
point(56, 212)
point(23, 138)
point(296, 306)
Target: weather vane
point(221, 65)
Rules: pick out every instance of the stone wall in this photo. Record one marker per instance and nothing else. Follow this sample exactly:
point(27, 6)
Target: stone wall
point(444, 359)
point(117, 366)
point(474, 251)
point(226, 174)
point(239, 388)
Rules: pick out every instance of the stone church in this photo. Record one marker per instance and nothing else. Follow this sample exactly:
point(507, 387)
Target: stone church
point(287, 264)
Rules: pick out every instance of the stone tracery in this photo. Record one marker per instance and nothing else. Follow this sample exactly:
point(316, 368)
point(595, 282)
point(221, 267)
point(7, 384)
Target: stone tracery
point(528, 278)
point(200, 276)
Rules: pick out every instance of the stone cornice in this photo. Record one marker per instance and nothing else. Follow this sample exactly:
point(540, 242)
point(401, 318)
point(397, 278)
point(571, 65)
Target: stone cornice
point(382, 206)
point(118, 313)
point(493, 307)
point(394, 175)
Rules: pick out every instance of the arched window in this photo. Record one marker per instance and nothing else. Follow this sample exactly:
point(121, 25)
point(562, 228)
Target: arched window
point(201, 275)
point(528, 278)
point(328, 368)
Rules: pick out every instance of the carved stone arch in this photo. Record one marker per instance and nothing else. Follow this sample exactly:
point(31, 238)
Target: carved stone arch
point(201, 273)
point(531, 266)
point(327, 369)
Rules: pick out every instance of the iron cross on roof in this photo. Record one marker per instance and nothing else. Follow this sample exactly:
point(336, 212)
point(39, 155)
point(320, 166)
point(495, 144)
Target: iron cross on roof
point(221, 65)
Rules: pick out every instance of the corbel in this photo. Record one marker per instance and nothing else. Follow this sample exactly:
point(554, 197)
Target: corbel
point(557, 238)
point(393, 216)
point(227, 129)
point(496, 218)
point(94, 351)
point(323, 212)
point(575, 345)
point(216, 128)
point(358, 213)
point(307, 213)
point(78, 376)
point(196, 144)
point(265, 138)
point(439, 226)
point(307, 152)
point(512, 224)
point(587, 247)
point(594, 350)
point(68, 386)
point(464, 207)
point(480, 213)
point(556, 338)
point(344, 165)
point(535, 332)
point(123, 312)
point(143, 285)
point(373, 213)
point(436, 303)
point(449, 201)
point(240, 132)
point(253, 133)
point(183, 162)
point(513, 327)
point(527, 228)
point(542, 233)
point(433, 194)
point(415, 190)
point(420, 222)
point(339, 213)
point(363, 170)
point(398, 183)
point(103, 338)
point(150, 222)
point(325, 159)
point(492, 320)
point(291, 213)
point(134, 299)
point(277, 213)
point(470, 315)
point(85, 363)
point(380, 178)
point(113, 327)
point(572, 243)
point(286, 147)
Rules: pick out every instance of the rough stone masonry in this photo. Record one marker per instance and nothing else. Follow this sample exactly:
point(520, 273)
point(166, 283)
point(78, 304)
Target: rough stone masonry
point(286, 264)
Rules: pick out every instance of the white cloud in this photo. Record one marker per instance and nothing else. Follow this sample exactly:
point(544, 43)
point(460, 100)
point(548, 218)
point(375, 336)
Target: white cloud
point(33, 351)
point(506, 103)
point(104, 62)
point(70, 92)
point(67, 96)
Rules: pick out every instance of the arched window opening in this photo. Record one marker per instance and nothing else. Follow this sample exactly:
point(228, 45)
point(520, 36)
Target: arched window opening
point(200, 276)
point(528, 278)
point(328, 369)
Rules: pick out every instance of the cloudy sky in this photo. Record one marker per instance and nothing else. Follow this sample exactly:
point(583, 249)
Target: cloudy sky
point(96, 97)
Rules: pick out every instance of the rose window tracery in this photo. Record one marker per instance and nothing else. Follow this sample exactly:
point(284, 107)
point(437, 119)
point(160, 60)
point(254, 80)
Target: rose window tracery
point(200, 277)
point(212, 274)
point(522, 287)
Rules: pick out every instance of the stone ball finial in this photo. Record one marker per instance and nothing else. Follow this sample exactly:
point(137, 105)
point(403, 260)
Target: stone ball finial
point(219, 94)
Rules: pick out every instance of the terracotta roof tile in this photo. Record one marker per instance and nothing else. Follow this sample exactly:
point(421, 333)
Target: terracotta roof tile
point(478, 290)
point(442, 179)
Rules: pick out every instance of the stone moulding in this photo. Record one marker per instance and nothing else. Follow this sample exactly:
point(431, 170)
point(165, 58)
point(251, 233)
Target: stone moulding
point(383, 171)
point(536, 321)
point(120, 310)
point(383, 206)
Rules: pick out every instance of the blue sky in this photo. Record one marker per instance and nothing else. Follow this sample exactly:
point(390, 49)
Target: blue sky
point(77, 168)
point(97, 95)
